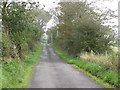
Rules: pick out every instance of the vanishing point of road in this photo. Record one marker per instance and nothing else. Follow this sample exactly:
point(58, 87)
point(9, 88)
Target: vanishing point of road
point(53, 72)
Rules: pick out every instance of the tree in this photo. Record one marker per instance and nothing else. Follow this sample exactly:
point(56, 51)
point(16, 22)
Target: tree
point(81, 29)
point(21, 28)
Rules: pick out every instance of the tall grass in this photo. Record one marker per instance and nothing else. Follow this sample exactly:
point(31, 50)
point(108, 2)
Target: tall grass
point(99, 70)
point(110, 60)
point(0, 76)
point(16, 73)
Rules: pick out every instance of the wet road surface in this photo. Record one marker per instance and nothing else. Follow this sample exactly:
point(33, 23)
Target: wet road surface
point(52, 72)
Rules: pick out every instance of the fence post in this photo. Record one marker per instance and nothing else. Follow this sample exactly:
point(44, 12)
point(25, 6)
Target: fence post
point(92, 52)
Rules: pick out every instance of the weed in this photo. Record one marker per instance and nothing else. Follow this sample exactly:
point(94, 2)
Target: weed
point(16, 73)
point(97, 69)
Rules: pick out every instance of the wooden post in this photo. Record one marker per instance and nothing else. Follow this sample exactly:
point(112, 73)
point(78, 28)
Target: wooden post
point(57, 33)
point(106, 53)
point(51, 38)
point(92, 52)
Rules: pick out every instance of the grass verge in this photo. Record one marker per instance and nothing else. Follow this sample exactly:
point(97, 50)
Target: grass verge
point(101, 74)
point(16, 74)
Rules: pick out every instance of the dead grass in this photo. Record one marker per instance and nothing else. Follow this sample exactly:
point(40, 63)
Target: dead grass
point(110, 60)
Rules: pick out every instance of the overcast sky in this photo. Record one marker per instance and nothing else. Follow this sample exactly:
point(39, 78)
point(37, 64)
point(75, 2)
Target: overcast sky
point(111, 4)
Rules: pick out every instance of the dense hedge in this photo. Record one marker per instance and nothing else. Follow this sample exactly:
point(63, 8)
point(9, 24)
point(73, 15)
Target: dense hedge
point(16, 73)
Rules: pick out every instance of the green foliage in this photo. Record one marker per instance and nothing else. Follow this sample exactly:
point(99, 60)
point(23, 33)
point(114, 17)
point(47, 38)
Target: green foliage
point(15, 74)
point(21, 35)
point(6, 45)
point(99, 70)
point(81, 30)
point(22, 28)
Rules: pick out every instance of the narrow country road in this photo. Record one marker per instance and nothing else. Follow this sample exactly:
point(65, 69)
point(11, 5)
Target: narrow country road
point(52, 72)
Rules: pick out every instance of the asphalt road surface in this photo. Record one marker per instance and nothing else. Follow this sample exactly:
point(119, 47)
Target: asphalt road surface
point(52, 72)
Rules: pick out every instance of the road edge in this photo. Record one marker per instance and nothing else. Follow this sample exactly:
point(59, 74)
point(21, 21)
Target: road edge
point(96, 79)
